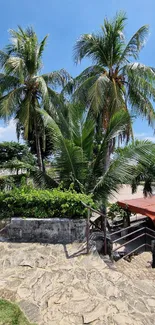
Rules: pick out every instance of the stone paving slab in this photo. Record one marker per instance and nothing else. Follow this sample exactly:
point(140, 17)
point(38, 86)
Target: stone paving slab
point(55, 286)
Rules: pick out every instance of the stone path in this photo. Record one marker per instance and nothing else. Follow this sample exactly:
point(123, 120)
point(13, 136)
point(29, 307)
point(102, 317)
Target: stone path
point(140, 267)
point(55, 290)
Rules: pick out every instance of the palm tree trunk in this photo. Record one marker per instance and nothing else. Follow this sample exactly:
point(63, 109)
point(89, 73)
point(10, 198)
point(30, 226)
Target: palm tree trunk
point(38, 148)
point(104, 208)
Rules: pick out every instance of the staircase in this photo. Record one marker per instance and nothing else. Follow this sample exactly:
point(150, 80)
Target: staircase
point(139, 267)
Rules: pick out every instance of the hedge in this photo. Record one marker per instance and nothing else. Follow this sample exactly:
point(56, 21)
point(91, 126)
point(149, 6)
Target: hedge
point(34, 203)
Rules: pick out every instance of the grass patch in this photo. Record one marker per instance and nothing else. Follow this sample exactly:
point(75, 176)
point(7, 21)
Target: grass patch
point(10, 314)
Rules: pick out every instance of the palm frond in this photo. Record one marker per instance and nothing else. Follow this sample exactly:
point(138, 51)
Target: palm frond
point(3, 58)
point(81, 128)
point(43, 180)
point(92, 46)
point(98, 93)
point(103, 48)
point(83, 94)
point(43, 89)
point(135, 44)
point(9, 103)
point(41, 47)
point(57, 78)
point(122, 169)
point(141, 105)
point(116, 128)
point(8, 83)
point(15, 66)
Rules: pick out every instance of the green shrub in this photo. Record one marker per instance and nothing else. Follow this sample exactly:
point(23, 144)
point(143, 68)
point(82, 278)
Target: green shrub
point(115, 211)
point(28, 202)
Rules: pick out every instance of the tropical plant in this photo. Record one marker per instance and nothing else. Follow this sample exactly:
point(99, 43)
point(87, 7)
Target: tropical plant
point(16, 162)
point(29, 202)
point(114, 82)
point(24, 91)
point(10, 151)
point(144, 170)
point(81, 160)
point(115, 211)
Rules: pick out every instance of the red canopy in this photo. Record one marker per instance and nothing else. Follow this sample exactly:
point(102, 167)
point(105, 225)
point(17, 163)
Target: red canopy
point(144, 206)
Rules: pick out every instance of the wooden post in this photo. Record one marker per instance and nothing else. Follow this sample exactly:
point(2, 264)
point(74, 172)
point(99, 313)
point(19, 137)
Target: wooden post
point(126, 223)
point(88, 227)
point(105, 235)
point(153, 253)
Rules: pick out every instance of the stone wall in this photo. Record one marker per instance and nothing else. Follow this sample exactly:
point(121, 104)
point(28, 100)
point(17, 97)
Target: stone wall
point(47, 230)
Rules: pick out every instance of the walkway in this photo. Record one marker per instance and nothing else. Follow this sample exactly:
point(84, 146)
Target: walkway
point(53, 288)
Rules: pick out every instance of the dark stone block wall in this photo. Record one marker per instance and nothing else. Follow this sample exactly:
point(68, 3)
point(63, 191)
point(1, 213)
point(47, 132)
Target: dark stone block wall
point(52, 231)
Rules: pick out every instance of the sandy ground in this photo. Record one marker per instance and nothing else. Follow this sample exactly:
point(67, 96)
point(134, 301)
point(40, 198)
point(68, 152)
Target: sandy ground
point(125, 193)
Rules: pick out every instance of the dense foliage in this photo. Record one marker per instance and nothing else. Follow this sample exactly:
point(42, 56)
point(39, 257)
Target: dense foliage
point(8, 182)
point(116, 80)
point(16, 161)
point(27, 202)
point(24, 91)
point(77, 123)
point(115, 211)
point(10, 151)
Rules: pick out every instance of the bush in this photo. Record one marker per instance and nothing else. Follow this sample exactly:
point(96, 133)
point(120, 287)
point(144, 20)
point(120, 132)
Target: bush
point(115, 211)
point(32, 203)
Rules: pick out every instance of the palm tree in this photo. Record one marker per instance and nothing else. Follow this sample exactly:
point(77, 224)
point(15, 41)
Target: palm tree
point(114, 81)
point(24, 91)
point(79, 160)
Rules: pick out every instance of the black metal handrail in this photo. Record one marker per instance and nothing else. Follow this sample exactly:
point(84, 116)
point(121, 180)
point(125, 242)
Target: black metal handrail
point(127, 235)
point(145, 233)
point(134, 250)
point(128, 242)
point(129, 227)
point(150, 229)
point(150, 235)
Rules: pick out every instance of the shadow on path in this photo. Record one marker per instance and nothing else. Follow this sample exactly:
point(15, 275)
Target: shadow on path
point(76, 254)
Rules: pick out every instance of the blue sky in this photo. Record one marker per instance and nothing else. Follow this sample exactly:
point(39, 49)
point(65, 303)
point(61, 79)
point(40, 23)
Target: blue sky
point(65, 21)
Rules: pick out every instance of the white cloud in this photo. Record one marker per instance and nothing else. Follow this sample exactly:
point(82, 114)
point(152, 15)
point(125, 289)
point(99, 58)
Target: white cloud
point(140, 135)
point(150, 138)
point(144, 136)
point(8, 132)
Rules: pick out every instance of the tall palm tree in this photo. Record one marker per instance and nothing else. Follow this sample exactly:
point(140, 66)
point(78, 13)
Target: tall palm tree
point(24, 91)
point(115, 80)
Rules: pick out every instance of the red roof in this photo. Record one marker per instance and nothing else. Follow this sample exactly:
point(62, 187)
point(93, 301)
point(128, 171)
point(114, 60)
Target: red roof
point(144, 206)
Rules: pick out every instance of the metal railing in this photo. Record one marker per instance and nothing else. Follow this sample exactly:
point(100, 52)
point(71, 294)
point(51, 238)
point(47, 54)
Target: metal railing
point(136, 223)
point(144, 233)
point(90, 210)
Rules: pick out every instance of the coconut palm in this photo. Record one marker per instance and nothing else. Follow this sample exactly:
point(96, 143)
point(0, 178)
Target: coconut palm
point(80, 161)
point(115, 80)
point(24, 91)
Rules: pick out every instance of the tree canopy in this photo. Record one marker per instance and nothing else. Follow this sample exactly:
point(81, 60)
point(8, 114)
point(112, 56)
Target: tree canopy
point(80, 122)
point(116, 80)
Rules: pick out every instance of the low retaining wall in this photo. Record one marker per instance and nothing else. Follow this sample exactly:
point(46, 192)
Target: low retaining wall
point(53, 231)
